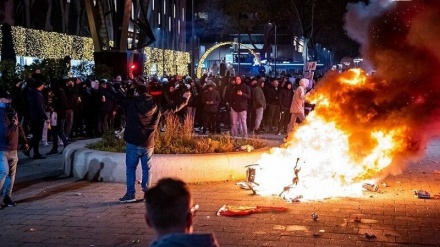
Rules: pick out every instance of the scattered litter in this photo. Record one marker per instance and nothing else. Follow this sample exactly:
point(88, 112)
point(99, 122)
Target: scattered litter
point(297, 199)
point(422, 194)
point(315, 216)
point(357, 219)
point(31, 230)
point(247, 148)
point(244, 185)
point(77, 194)
point(227, 210)
point(136, 241)
point(319, 233)
point(384, 185)
point(370, 235)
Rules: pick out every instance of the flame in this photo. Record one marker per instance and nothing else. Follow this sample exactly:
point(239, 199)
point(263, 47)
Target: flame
point(337, 151)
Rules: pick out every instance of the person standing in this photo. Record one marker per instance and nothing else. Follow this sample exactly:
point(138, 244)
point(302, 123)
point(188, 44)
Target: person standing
point(38, 117)
point(239, 96)
point(10, 132)
point(58, 118)
point(143, 115)
point(273, 107)
point(259, 103)
point(297, 106)
point(211, 100)
point(286, 96)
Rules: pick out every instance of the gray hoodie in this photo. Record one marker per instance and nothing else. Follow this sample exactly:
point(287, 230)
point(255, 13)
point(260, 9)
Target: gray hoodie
point(186, 240)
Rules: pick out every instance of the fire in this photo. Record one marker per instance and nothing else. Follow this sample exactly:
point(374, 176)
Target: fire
point(335, 152)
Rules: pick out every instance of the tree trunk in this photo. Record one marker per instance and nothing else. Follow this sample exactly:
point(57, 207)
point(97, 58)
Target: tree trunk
point(63, 18)
point(66, 16)
point(48, 25)
point(305, 52)
point(9, 10)
point(27, 7)
point(77, 6)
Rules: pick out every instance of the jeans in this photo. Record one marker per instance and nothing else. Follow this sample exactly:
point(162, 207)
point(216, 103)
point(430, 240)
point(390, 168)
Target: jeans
point(69, 122)
point(210, 122)
point(258, 117)
point(191, 112)
point(238, 119)
point(37, 126)
point(132, 155)
point(273, 116)
point(8, 168)
point(58, 131)
point(293, 118)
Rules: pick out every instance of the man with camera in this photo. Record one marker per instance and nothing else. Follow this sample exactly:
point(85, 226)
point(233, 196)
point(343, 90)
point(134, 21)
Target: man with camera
point(10, 131)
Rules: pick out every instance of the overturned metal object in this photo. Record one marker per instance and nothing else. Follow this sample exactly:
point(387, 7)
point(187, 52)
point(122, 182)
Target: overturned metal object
point(250, 177)
point(371, 187)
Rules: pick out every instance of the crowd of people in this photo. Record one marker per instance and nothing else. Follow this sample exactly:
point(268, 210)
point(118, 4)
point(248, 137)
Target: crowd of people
point(86, 107)
point(37, 112)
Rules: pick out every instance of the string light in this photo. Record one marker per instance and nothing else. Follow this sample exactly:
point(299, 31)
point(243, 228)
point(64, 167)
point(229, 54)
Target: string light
point(42, 44)
point(172, 61)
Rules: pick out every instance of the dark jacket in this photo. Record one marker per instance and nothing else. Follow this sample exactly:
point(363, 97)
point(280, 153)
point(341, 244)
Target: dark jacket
point(9, 132)
point(272, 95)
point(143, 114)
point(211, 95)
point(258, 99)
point(71, 98)
point(285, 99)
point(37, 105)
point(59, 103)
point(240, 102)
point(186, 240)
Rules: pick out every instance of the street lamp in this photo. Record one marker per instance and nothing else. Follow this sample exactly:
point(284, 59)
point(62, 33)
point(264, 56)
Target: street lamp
point(193, 60)
point(276, 49)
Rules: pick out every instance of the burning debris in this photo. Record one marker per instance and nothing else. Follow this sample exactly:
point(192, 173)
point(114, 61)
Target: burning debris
point(422, 194)
point(371, 187)
point(364, 126)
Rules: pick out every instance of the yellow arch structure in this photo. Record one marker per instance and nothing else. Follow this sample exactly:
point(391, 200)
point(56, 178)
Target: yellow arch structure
point(205, 55)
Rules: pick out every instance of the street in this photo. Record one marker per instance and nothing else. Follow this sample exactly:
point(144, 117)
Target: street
point(68, 212)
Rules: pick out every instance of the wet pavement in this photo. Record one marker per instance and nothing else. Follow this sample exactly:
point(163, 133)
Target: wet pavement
point(59, 211)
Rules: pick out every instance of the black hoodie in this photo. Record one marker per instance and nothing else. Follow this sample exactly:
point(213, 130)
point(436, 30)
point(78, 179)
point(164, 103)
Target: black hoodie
point(143, 116)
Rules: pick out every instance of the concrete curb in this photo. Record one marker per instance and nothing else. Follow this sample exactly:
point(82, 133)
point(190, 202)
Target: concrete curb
point(84, 163)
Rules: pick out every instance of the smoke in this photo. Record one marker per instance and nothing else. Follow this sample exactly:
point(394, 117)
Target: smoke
point(401, 39)
point(360, 15)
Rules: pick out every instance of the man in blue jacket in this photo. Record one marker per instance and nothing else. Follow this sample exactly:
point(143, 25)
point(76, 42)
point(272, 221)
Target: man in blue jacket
point(10, 131)
point(143, 115)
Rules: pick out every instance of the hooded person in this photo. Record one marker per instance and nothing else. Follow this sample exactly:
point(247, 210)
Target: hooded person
point(297, 106)
point(142, 120)
point(38, 116)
